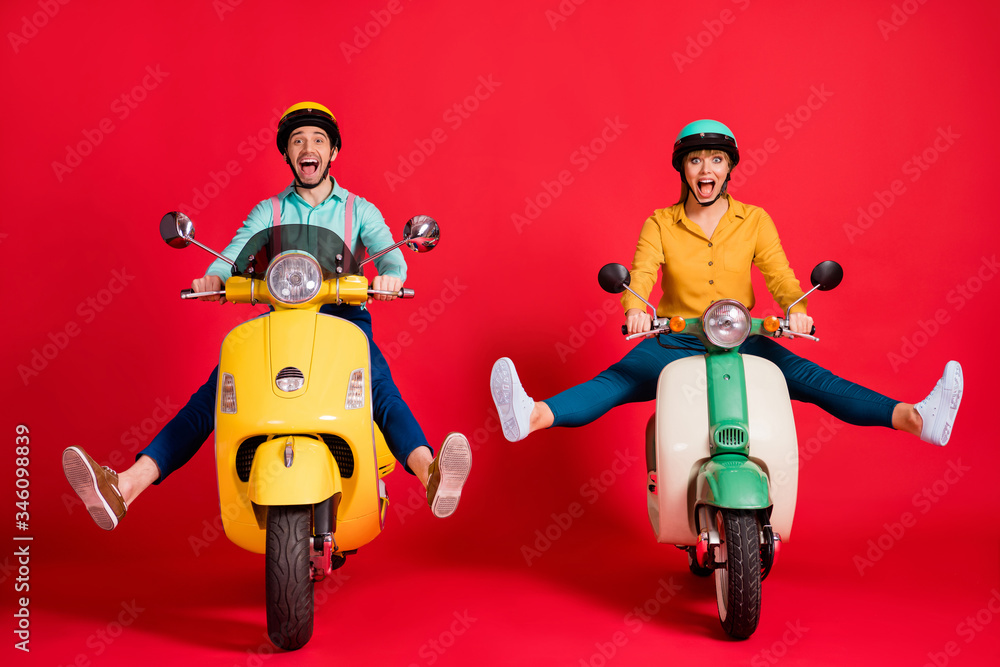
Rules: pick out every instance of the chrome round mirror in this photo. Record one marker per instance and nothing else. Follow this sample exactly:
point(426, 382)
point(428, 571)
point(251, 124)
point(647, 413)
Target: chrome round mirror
point(177, 229)
point(826, 275)
point(613, 278)
point(421, 233)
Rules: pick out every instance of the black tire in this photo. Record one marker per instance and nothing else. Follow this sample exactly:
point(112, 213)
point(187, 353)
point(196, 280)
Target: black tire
point(289, 586)
point(737, 582)
point(696, 570)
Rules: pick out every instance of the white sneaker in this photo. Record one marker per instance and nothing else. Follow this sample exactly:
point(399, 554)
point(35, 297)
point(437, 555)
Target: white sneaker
point(938, 410)
point(447, 475)
point(513, 405)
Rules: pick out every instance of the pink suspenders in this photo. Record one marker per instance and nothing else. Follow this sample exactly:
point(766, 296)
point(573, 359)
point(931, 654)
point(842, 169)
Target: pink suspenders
point(348, 215)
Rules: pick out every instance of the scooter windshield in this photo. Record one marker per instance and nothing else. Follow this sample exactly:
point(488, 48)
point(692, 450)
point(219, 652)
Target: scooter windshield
point(323, 244)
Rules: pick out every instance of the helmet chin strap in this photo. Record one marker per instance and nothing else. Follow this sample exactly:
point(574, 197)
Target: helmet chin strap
point(722, 190)
point(300, 184)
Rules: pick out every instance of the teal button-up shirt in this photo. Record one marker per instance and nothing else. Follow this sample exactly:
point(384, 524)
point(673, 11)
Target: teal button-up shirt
point(367, 227)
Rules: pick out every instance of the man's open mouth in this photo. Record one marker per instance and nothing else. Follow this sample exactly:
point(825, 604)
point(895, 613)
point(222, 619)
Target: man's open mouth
point(705, 187)
point(308, 166)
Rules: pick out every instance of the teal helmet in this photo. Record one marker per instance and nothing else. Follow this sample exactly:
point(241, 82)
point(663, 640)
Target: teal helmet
point(705, 135)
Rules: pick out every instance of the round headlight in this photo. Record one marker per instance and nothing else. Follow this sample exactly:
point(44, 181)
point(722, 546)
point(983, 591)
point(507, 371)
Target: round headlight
point(726, 323)
point(294, 277)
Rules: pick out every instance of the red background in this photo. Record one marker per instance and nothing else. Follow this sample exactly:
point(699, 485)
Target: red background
point(830, 104)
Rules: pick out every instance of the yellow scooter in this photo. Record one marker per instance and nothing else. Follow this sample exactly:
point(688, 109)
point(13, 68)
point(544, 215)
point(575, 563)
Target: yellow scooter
point(300, 461)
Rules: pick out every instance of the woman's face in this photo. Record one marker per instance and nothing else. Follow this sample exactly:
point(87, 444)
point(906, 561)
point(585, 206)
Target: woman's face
point(705, 172)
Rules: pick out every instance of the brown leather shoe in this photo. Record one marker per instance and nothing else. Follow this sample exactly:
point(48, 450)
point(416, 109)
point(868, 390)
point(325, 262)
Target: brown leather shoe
point(97, 487)
point(447, 474)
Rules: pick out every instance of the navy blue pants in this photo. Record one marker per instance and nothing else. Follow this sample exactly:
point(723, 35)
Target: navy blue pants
point(634, 378)
point(189, 429)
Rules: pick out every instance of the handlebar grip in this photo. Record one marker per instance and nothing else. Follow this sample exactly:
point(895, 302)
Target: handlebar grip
point(624, 329)
point(186, 291)
point(813, 332)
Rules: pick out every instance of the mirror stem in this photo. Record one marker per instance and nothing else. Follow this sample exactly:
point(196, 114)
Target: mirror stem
point(381, 252)
point(652, 307)
point(206, 249)
point(788, 311)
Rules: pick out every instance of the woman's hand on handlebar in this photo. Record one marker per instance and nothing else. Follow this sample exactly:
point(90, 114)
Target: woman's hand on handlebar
point(208, 283)
point(800, 323)
point(388, 284)
point(637, 321)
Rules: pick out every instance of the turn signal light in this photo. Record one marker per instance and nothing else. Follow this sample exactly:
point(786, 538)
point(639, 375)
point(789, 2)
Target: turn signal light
point(356, 390)
point(771, 324)
point(677, 324)
point(228, 401)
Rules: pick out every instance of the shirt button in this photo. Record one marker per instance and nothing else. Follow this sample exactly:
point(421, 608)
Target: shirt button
point(711, 282)
point(710, 263)
point(709, 244)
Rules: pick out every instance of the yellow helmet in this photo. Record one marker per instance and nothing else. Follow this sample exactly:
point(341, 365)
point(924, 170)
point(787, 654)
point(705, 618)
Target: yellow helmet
point(307, 113)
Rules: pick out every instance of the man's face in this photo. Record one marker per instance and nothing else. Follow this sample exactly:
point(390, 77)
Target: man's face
point(310, 152)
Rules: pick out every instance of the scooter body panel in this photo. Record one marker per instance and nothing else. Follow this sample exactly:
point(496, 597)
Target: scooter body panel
point(682, 449)
point(327, 350)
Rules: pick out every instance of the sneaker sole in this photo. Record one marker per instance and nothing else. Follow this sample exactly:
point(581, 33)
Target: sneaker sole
point(502, 380)
point(81, 477)
point(951, 398)
point(454, 464)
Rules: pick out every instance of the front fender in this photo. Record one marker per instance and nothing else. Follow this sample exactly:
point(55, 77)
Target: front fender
point(312, 477)
point(734, 482)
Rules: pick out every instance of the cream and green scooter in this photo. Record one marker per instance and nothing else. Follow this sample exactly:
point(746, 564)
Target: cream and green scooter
point(721, 450)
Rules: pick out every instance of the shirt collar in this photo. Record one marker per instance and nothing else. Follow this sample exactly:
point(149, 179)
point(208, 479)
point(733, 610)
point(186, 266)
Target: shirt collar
point(736, 210)
point(338, 192)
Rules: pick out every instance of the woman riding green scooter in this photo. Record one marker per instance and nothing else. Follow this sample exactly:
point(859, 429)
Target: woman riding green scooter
point(705, 245)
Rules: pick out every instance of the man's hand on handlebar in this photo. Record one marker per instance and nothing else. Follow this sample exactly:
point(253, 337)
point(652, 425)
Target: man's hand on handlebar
point(208, 283)
point(387, 284)
point(637, 321)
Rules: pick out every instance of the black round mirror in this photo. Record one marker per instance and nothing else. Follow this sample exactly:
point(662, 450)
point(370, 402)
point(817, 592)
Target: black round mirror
point(827, 275)
point(176, 229)
point(613, 278)
point(421, 233)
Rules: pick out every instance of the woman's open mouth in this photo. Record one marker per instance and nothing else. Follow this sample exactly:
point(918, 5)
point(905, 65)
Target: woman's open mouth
point(705, 187)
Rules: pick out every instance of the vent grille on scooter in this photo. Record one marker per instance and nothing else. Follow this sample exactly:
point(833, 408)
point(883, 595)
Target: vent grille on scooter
point(244, 456)
point(341, 453)
point(338, 447)
point(731, 436)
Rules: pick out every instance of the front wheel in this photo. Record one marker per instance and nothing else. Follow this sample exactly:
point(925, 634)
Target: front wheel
point(737, 579)
point(289, 586)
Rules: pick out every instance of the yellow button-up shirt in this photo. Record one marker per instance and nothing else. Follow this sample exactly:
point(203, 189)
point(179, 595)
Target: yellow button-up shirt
point(698, 270)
